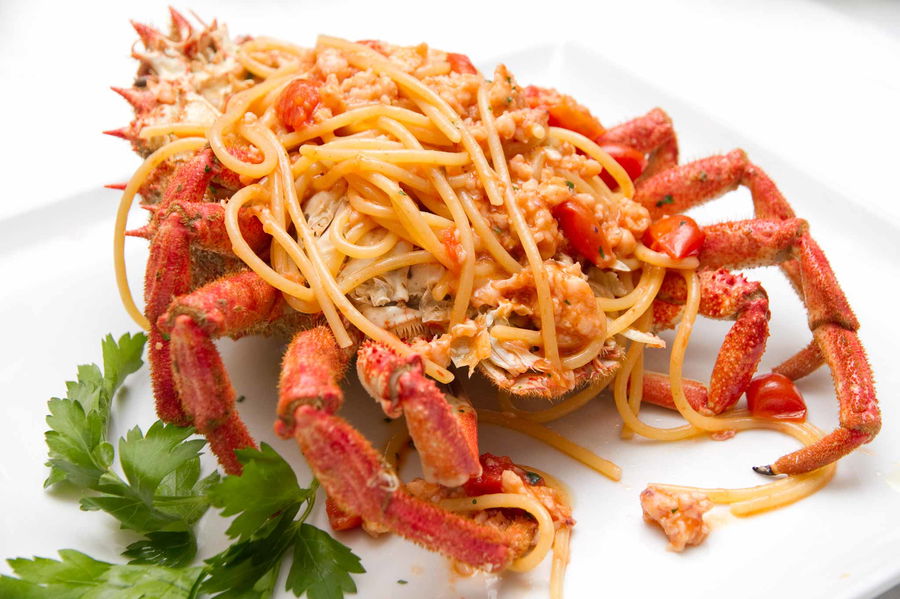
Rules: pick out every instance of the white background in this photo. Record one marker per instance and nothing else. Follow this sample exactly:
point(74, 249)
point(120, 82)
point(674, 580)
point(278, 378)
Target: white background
point(816, 84)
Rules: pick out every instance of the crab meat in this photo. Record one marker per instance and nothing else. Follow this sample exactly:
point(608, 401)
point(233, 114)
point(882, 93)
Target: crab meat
point(679, 514)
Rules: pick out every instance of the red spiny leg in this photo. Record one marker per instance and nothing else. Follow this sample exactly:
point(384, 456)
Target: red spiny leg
point(723, 295)
point(658, 391)
point(651, 134)
point(830, 319)
point(226, 306)
point(358, 482)
point(311, 371)
point(360, 486)
point(834, 329)
point(168, 276)
point(678, 189)
point(804, 362)
point(443, 427)
point(180, 219)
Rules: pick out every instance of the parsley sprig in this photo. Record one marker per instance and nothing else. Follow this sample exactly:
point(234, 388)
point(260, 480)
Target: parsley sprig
point(161, 495)
point(266, 499)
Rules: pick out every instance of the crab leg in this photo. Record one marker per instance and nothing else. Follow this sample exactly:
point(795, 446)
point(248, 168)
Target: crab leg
point(227, 306)
point(178, 221)
point(355, 476)
point(724, 295)
point(357, 479)
point(762, 242)
point(443, 427)
point(834, 327)
point(652, 134)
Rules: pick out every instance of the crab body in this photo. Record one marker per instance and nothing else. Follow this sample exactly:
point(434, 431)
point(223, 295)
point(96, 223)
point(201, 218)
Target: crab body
point(196, 291)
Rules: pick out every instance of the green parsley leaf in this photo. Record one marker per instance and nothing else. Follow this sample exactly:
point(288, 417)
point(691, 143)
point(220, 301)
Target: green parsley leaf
point(242, 567)
point(78, 575)
point(121, 359)
point(267, 486)
point(164, 548)
point(77, 436)
point(161, 494)
point(322, 565)
point(144, 503)
point(570, 185)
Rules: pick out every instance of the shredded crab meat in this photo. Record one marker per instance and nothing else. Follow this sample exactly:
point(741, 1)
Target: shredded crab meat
point(679, 514)
point(578, 320)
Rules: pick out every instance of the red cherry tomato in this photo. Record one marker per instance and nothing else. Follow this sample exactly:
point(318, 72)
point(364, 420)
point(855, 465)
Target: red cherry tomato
point(460, 63)
point(583, 231)
point(774, 396)
point(564, 111)
point(297, 102)
point(490, 481)
point(678, 235)
point(631, 160)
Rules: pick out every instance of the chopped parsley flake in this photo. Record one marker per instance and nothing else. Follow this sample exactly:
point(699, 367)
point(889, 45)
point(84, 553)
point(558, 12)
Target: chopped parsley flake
point(533, 478)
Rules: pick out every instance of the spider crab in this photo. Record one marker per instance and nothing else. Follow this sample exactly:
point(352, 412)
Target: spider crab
point(196, 291)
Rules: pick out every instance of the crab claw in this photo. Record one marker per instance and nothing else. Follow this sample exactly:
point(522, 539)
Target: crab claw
point(358, 482)
point(724, 295)
point(443, 427)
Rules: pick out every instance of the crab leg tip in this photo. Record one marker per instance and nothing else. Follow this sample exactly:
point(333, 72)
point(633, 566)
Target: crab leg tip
point(140, 100)
point(766, 470)
point(116, 186)
point(143, 232)
point(121, 132)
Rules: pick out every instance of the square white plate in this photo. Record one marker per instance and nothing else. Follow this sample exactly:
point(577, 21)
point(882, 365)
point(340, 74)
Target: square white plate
point(60, 300)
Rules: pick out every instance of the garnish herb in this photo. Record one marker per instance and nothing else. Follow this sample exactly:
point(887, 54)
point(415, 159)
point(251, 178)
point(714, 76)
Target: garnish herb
point(533, 478)
point(161, 497)
point(667, 199)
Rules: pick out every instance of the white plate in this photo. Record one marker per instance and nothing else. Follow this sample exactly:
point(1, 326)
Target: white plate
point(841, 543)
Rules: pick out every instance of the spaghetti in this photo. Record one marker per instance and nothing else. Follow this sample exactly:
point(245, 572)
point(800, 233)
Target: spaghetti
point(390, 182)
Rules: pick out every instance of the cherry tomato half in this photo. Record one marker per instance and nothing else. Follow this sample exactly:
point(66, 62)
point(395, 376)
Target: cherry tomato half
point(631, 160)
point(583, 231)
point(678, 235)
point(460, 63)
point(564, 111)
point(491, 479)
point(297, 103)
point(774, 396)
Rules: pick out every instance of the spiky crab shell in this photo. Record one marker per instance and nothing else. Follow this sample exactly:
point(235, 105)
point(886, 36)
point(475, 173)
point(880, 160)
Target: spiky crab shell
point(184, 77)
